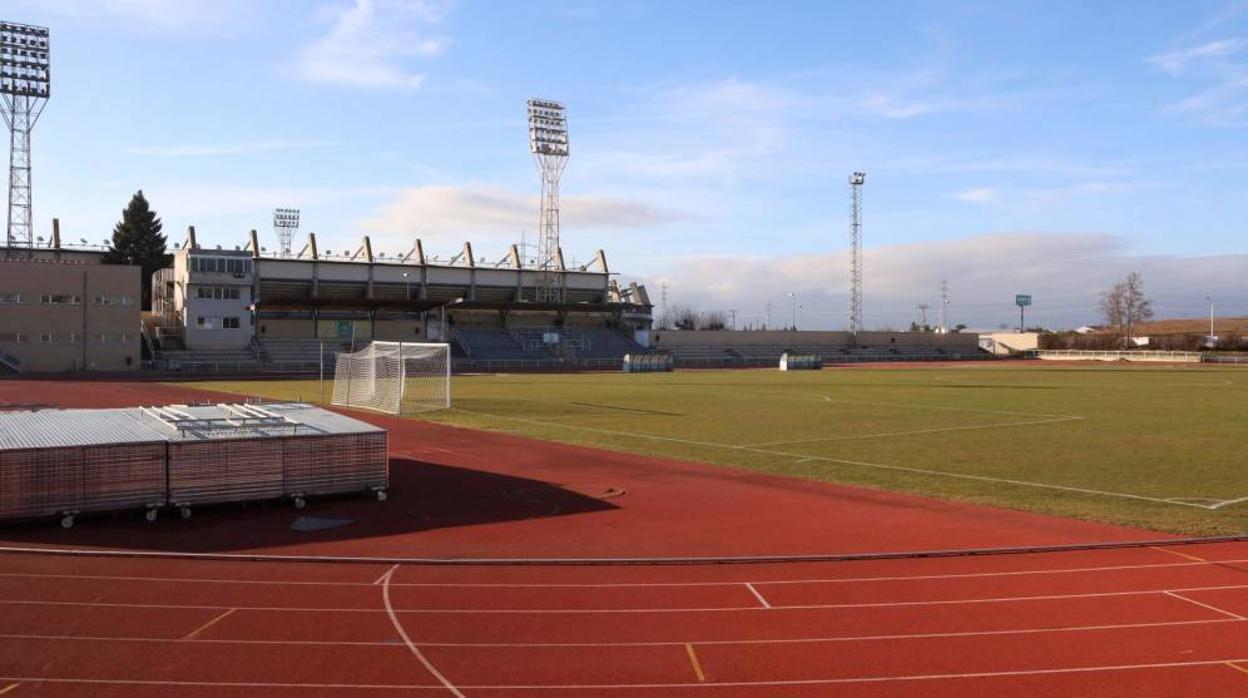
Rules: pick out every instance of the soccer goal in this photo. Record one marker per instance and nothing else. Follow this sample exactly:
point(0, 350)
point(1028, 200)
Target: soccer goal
point(395, 377)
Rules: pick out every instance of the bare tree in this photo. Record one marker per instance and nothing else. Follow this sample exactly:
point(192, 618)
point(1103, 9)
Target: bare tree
point(713, 320)
point(1111, 306)
point(1136, 306)
point(684, 318)
point(1124, 305)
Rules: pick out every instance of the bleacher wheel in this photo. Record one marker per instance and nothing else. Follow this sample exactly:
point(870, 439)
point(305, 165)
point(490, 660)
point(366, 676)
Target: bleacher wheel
point(300, 502)
point(381, 495)
point(67, 521)
point(185, 512)
point(151, 514)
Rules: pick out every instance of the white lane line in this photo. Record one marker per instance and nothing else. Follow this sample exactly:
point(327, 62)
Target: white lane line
point(648, 643)
point(842, 461)
point(641, 686)
point(916, 432)
point(398, 626)
point(945, 408)
point(663, 609)
point(1197, 562)
point(386, 575)
point(757, 595)
point(1224, 612)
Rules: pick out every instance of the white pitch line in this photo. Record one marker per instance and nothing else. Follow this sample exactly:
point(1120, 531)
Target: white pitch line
point(1224, 612)
point(386, 575)
point(946, 408)
point(757, 595)
point(664, 609)
point(632, 585)
point(1228, 502)
point(916, 432)
point(650, 686)
point(842, 461)
point(398, 626)
point(641, 643)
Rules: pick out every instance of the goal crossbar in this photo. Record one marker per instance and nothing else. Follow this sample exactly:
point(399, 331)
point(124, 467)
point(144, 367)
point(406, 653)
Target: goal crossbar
point(394, 377)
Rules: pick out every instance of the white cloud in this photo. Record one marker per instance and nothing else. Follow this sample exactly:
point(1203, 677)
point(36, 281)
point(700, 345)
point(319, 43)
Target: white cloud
point(456, 214)
point(1223, 101)
point(1064, 273)
point(373, 43)
point(1175, 62)
point(209, 150)
point(976, 195)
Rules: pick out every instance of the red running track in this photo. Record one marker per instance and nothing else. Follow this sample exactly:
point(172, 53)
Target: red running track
point(1133, 622)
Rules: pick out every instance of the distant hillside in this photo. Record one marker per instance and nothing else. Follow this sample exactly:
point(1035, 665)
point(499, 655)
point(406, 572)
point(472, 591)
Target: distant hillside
point(1221, 325)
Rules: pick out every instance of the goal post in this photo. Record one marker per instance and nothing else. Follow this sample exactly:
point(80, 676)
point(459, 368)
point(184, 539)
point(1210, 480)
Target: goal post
point(394, 377)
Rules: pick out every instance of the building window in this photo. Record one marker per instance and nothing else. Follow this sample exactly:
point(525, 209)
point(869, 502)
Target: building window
point(60, 299)
point(59, 337)
point(219, 293)
point(12, 337)
point(221, 265)
point(112, 338)
point(10, 298)
point(213, 322)
point(125, 301)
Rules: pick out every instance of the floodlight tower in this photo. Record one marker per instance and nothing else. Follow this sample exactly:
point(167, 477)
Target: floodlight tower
point(25, 84)
point(285, 225)
point(856, 180)
point(548, 141)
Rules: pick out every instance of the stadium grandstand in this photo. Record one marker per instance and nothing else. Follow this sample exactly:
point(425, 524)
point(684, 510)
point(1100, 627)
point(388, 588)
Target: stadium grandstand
point(243, 310)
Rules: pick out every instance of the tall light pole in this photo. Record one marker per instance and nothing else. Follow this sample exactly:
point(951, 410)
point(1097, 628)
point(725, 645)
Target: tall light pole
point(856, 180)
point(944, 306)
point(408, 283)
point(793, 299)
point(285, 224)
point(25, 85)
point(548, 142)
point(1210, 299)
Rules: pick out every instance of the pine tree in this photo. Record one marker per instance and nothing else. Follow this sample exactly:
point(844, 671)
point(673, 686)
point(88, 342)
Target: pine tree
point(137, 240)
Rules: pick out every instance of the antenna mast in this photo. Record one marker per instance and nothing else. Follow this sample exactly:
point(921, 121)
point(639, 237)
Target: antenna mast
point(856, 180)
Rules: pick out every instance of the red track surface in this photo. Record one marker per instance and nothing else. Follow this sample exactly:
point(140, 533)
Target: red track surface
point(1135, 622)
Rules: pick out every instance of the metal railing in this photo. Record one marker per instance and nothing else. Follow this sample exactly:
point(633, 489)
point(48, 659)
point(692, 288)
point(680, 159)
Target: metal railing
point(1191, 357)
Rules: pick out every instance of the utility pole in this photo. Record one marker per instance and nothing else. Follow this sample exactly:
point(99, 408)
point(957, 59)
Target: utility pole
point(732, 313)
point(767, 320)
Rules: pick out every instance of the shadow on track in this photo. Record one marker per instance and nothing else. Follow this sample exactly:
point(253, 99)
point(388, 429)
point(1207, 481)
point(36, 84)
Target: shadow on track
point(424, 496)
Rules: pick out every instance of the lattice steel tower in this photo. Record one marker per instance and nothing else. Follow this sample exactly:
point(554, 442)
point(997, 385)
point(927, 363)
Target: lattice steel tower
point(856, 180)
point(25, 84)
point(548, 141)
point(285, 224)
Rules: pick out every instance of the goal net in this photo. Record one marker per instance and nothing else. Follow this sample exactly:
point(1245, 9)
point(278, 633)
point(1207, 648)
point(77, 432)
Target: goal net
point(395, 377)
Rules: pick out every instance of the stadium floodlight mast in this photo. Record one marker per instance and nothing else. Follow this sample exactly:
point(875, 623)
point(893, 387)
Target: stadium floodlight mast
point(25, 85)
point(856, 180)
point(285, 225)
point(548, 142)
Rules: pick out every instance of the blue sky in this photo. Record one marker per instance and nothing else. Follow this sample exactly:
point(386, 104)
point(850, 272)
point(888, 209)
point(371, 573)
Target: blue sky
point(1010, 147)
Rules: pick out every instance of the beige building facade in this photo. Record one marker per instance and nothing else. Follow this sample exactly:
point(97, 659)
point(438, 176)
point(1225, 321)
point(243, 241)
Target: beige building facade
point(67, 312)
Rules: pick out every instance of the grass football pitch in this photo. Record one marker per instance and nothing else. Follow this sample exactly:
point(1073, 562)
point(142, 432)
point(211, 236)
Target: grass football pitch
point(1157, 447)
